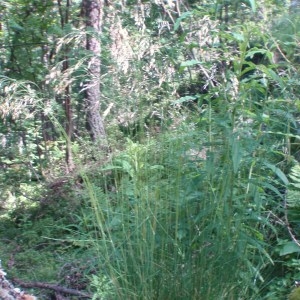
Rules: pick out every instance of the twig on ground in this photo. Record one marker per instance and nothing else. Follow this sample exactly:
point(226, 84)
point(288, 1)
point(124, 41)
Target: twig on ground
point(49, 286)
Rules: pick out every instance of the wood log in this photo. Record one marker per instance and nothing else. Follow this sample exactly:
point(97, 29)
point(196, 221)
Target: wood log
point(54, 287)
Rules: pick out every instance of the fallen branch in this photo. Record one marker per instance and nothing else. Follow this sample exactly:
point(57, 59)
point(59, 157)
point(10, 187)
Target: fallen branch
point(49, 286)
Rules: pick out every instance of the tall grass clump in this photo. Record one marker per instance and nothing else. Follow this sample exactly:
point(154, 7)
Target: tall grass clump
point(192, 214)
point(185, 216)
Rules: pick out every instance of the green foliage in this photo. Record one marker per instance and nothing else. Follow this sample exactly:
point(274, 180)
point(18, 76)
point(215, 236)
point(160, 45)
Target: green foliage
point(180, 215)
point(200, 195)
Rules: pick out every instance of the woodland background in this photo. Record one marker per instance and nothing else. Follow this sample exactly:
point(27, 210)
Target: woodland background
point(150, 149)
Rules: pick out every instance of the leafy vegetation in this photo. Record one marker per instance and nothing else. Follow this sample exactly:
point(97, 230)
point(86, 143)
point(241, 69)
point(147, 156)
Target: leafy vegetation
point(197, 194)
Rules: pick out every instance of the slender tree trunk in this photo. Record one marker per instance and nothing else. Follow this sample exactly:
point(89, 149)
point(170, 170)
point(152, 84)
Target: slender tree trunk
point(93, 10)
point(64, 19)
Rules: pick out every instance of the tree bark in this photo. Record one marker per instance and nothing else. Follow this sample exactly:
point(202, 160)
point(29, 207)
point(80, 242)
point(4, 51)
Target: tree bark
point(64, 19)
point(93, 10)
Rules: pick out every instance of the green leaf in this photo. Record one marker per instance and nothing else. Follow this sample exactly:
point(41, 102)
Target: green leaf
point(182, 17)
point(250, 54)
point(238, 36)
point(278, 172)
point(296, 185)
point(250, 67)
point(157, 167)
point(273, 189)
point(15, 26)
point(271, 74)
point(111, 167)
point(237, 155)
point(189, 63)
point(253, 5)
point(289, 248)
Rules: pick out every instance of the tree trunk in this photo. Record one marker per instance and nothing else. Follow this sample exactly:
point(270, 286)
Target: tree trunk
point(64, 19)
point(93, 10)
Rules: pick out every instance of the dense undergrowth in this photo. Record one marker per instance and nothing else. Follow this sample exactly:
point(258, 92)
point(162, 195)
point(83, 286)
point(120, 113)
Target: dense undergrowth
point(198, 197)
point(196, 213)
